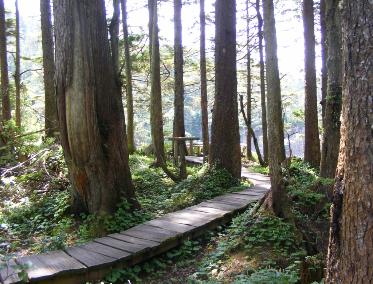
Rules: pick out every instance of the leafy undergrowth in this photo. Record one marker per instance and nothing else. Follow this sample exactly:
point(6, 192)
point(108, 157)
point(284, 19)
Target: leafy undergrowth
point(35, 212)
point(256, 247)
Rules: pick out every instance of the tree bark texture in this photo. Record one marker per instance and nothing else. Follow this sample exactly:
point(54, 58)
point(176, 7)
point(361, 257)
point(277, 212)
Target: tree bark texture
point(204, 112)
point(225, 148)
point(6, 109)
point(274, 110)
point(90, 108)
point(249, 155)
point(17, 76)
point(51, 117)
point(179, 126)
point(350, 253)
point(311, 127)
point(324, 57)
point(333, 100)
point(262, 82)
point(129, 89)
point(156, 119)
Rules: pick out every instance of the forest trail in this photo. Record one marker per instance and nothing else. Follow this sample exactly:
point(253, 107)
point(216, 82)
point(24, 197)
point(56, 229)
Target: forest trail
point(93, 260)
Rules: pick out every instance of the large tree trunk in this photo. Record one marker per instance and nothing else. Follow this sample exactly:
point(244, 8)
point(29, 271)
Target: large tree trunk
point(324, 56)
point(350, 253)
point(311, 126)
point(90, 108)
point(333, 102)
point(17, 76)
point(262, 82)
point(129, 90)
point(204, 112)
point(6, 110)
point(179, 126)
point(156, 119)
point(249, 155)
point(274, 111)
point(225, 148)
point(51, 118)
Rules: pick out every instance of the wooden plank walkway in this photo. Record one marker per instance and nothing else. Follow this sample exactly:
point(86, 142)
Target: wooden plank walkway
point(93, 260)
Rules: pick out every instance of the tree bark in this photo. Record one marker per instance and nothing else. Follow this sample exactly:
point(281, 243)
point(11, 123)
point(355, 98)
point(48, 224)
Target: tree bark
point(274, 112)
point(129, 89)
point(249, 155)
point(311, 126)
point(333, 102)
point(262, 82)
point(51, 118)
point(179, 126)
point(6, 109)
point(350, 252)
point(90, 108)
point(324, 56)
point(156, 119)
point(17, 76)
point(204, 112)
point(225, 148)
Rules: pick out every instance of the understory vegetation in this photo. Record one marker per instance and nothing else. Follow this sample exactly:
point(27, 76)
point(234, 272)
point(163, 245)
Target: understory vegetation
point(35, 201)
point(256, 247)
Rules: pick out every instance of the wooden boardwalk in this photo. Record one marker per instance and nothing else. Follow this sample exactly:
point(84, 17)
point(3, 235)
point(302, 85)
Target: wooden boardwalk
point(93, 260)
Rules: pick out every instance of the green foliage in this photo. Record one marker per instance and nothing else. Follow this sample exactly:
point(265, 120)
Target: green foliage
point(16, 146)
point(269, 275)
point(259, 169)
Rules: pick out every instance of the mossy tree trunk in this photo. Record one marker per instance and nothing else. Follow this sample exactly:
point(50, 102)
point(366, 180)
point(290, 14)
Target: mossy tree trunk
point(333, 101)
point(350, 253)
point(51, 117)
point(17, 74)
point(129, 89)
point(274, 112)
point(225, 148)
point(6, 109)
point(90, 108)
point(311, 126)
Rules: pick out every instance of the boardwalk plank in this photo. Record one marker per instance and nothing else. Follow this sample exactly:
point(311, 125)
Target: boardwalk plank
point(89, 258)
point(161, 223)
point(49, 264)
point(122, 245)
point(150, 233)
point(134, 240)
point(106, 250)
point(221, 206)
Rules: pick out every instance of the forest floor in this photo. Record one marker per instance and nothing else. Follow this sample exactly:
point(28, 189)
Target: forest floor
point(256, 247)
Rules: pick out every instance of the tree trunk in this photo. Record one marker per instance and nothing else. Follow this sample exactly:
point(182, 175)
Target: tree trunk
point(311, 126)
point(151, 21)
point(90, 108)
point(225, 148)
point(204, 112)
point(156, 119)
point(51, 118)
point(17, 77)
point(333, 102)
point(262, 82)
point(6, 110)
point(324, 56)
point(129, 90)
point(350, 253)
point(179, 126)
point(249, 155)
point(274, 111)
point(114, 38)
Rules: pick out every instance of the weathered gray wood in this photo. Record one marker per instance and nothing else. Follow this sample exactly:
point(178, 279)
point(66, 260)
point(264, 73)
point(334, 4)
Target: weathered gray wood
point(122, 245)
point(134, 240)
point(89, 258)
point(161, 223)
point(221, 206)
point(106, 250)
point(50, 264)
point(150, 233)
point(9, 272)
point(204, 209)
